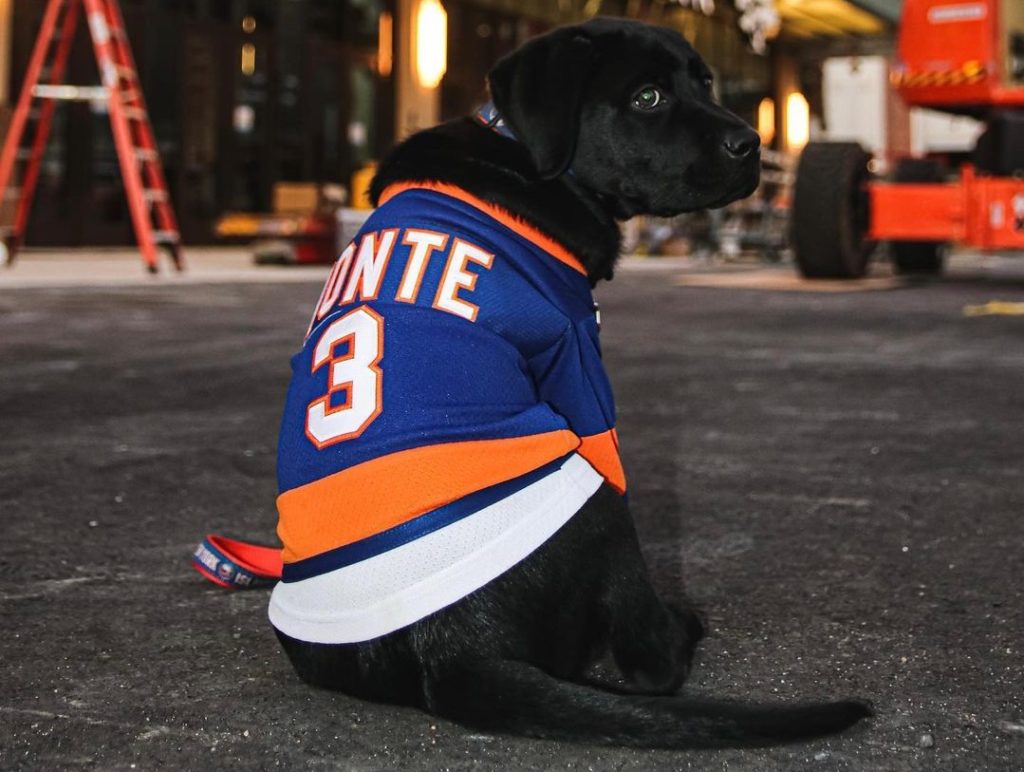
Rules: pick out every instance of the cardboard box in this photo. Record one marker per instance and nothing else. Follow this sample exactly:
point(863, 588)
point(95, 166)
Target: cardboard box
point(296, 197)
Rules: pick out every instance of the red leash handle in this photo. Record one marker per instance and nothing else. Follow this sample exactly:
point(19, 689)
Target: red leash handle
point(237, 565)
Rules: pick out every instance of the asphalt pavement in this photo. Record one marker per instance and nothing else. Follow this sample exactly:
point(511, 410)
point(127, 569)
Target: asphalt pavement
point(836, 477)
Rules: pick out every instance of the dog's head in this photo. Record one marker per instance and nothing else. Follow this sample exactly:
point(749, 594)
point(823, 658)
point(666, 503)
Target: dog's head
point(627, 109)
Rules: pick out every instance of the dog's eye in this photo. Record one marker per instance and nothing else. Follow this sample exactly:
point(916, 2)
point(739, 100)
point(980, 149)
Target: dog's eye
point(647, 98)
point(708, 82)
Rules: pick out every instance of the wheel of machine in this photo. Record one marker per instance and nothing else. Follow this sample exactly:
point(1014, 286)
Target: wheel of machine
point(830, 211)
point(917, 258)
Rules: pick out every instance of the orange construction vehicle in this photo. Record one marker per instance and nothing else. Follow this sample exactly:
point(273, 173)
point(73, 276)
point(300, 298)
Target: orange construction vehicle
point(958, 56)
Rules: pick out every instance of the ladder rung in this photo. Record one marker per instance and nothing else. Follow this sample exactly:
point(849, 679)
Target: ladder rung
point(155, 194)
point(166, 237)
point(134, 113)
point(23, 154)
point(142, 154)
point(126, 72)
point(70, 93)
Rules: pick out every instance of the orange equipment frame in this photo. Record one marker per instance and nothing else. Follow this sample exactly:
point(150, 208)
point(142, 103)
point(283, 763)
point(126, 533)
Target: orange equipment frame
point(986, 212)
point(954, 56)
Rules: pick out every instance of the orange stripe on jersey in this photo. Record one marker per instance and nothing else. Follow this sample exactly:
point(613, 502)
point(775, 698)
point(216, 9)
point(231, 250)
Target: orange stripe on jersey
point(602, 451)
point(503, 216)
point(371, 497)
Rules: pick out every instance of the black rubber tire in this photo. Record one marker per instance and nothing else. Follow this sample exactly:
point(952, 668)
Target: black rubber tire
point(830, 211)
point(917, 258)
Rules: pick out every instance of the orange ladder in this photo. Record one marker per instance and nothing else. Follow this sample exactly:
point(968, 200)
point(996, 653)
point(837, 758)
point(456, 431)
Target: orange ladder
point(148, 201)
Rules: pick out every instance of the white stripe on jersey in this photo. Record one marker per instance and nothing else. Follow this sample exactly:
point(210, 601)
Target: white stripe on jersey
point(396, 588)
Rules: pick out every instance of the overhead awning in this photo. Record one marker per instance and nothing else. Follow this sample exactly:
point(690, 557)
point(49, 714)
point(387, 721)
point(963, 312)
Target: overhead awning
point(889, 10)
point(837, 18)
point(800, 18)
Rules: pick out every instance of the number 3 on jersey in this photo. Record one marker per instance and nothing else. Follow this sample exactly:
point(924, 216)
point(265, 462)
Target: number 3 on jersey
point(353, 371)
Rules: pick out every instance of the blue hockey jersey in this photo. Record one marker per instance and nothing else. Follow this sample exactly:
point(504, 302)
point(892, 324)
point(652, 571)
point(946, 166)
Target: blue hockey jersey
point(447, 414)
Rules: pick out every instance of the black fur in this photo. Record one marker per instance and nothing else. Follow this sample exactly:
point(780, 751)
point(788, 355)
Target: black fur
point(514, 656)
point(499, 170)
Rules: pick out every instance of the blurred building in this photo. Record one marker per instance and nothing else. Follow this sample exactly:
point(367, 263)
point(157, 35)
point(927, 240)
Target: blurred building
point(241, 93)
point(246, 93)
point(839, 59)
point(812, 33)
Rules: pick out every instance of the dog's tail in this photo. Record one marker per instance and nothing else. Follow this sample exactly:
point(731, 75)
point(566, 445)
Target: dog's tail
point(515, 698)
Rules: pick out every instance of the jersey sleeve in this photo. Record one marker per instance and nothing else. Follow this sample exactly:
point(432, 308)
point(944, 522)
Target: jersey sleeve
point(571, 379)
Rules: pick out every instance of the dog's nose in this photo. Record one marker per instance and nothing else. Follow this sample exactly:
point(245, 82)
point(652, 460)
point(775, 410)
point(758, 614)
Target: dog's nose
point(739, 143)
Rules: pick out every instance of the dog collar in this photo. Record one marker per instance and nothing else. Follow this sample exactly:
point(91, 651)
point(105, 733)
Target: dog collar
point(489, 116)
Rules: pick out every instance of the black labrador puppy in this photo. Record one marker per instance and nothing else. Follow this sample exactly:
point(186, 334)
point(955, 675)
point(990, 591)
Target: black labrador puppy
point(590, 124)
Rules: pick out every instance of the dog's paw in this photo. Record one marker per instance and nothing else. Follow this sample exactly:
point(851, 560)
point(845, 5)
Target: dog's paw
point(657, 657)
point(692, 622)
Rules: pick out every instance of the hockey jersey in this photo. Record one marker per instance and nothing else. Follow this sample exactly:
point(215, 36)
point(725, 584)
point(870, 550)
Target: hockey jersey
point(447, 414)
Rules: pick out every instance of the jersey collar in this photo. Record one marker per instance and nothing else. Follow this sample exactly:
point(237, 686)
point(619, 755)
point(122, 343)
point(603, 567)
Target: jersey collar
point(511, 221)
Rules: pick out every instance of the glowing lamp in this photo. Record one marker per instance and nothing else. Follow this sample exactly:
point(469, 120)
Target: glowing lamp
point(385, 33)
point(798, 121)
point(431, 43)
point(766, 120)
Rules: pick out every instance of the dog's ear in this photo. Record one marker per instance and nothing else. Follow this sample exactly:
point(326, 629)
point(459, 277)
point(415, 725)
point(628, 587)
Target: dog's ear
point(538, 89)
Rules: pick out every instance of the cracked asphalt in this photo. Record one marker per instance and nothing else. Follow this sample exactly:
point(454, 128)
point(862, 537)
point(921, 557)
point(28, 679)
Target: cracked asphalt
point(836, 478)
